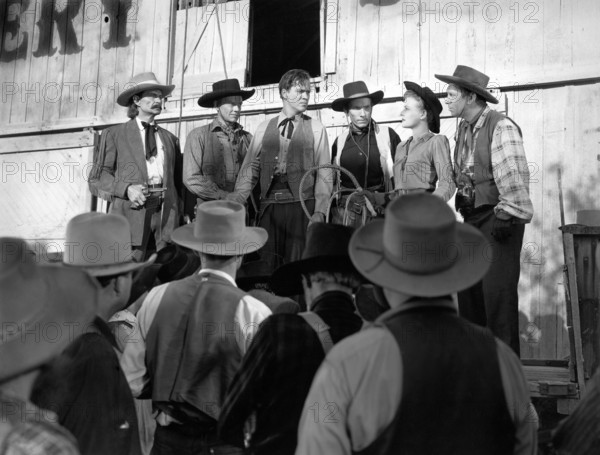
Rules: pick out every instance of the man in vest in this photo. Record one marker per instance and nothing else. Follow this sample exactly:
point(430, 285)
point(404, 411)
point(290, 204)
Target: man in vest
point(214, 152)
point(492, 177)
point(366, 149)
point(135, 166)
point(280, 153)
point(270, 387)
point(421, 380)
point(194, 332)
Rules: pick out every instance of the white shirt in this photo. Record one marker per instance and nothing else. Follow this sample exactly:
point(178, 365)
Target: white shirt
point(155, 164)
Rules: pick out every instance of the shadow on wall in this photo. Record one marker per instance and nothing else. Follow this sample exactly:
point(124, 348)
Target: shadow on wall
point(544, 336)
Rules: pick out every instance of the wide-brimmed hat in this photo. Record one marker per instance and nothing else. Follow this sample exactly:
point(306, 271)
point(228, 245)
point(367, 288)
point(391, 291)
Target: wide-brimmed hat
point(354, 90)
point(222, 89)
point(101, 244)
point(326, 250)
point(42, 308)
point(138, 84)
point(220, 229)
point(430, 100)
point(420, 249)
point(470, 79)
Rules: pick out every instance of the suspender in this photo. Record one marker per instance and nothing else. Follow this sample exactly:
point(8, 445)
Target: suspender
point(321, 329)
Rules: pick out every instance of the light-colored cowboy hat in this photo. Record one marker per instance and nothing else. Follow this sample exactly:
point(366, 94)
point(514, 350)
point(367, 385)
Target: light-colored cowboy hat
point(100, 243)
point(42, 308)
point(138, 84)
point(420, 249)
point(220, 229)
point(354, 90)
point(470, 79)
point(326, 250)
point(223, 89)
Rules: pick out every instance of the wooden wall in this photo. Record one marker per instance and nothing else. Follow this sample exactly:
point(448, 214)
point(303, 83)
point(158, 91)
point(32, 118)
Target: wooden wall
point(382, 42)
point(385, 42)
point(64, 63)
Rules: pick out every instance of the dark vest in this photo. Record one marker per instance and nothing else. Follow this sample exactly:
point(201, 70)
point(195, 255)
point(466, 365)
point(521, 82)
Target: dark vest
point(486, 191)
point(213, 164)
point(191, 349)
point(453, 402)
point(300, 157)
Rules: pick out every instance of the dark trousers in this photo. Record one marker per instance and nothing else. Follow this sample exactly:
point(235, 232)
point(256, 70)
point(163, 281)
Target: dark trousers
point(286, 224)
point(152, 236)
point(175, 439)
point(494, 301)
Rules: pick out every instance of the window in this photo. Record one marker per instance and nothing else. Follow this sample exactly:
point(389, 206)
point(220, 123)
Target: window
point(197, 3)
point(284, 34)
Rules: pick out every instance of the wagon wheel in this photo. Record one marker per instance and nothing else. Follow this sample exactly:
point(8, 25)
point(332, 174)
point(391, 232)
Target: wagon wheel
point(335, 194)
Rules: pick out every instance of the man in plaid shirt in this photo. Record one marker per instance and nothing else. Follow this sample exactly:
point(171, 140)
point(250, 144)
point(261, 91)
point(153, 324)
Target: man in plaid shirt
point(492, 177)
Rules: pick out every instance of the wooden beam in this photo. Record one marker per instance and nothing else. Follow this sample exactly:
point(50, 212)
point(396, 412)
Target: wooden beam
point(18, 144)
point(573, 301)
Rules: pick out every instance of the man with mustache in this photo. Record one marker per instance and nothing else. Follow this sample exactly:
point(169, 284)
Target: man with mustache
point(214, 152)
point(282, 150)
point(134, 167)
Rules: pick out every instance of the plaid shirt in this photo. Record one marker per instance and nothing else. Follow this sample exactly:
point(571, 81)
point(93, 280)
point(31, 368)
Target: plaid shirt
point(32, 430)
point(509, 166)
point(277, 372)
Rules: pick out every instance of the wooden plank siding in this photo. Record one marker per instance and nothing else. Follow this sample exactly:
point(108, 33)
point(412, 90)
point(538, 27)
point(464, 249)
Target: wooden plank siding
point(383, 42)
point(76, 71)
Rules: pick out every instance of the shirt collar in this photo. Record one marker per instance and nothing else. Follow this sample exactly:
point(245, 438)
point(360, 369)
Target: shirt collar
point(219, 273)
point(333, 299)
point(443, 303)
point(423, 137)
point(282, 117)
point(216, 125)
point(478, 122)
point(141, 127)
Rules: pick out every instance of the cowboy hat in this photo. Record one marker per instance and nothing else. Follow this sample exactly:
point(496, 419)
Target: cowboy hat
point(470, 79)
point(219, 229)
point(354, 90)
point(222, 89)
point(42, 309)
point(138, 84)
point(326, 250)
point(100, 243)
point(430, 100)
point(176, 262)
point(420, 249)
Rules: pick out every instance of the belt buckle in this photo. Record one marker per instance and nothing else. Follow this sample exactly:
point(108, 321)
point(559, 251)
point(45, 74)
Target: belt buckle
point(277, 195)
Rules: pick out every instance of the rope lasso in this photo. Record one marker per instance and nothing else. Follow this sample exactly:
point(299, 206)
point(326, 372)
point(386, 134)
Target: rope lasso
point(352, 192)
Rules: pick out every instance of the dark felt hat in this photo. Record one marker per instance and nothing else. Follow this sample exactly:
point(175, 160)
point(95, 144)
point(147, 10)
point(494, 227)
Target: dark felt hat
point(354, 90)
point(222, 89)
point(470, 79)
point(431, 102)
point(326, 250)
